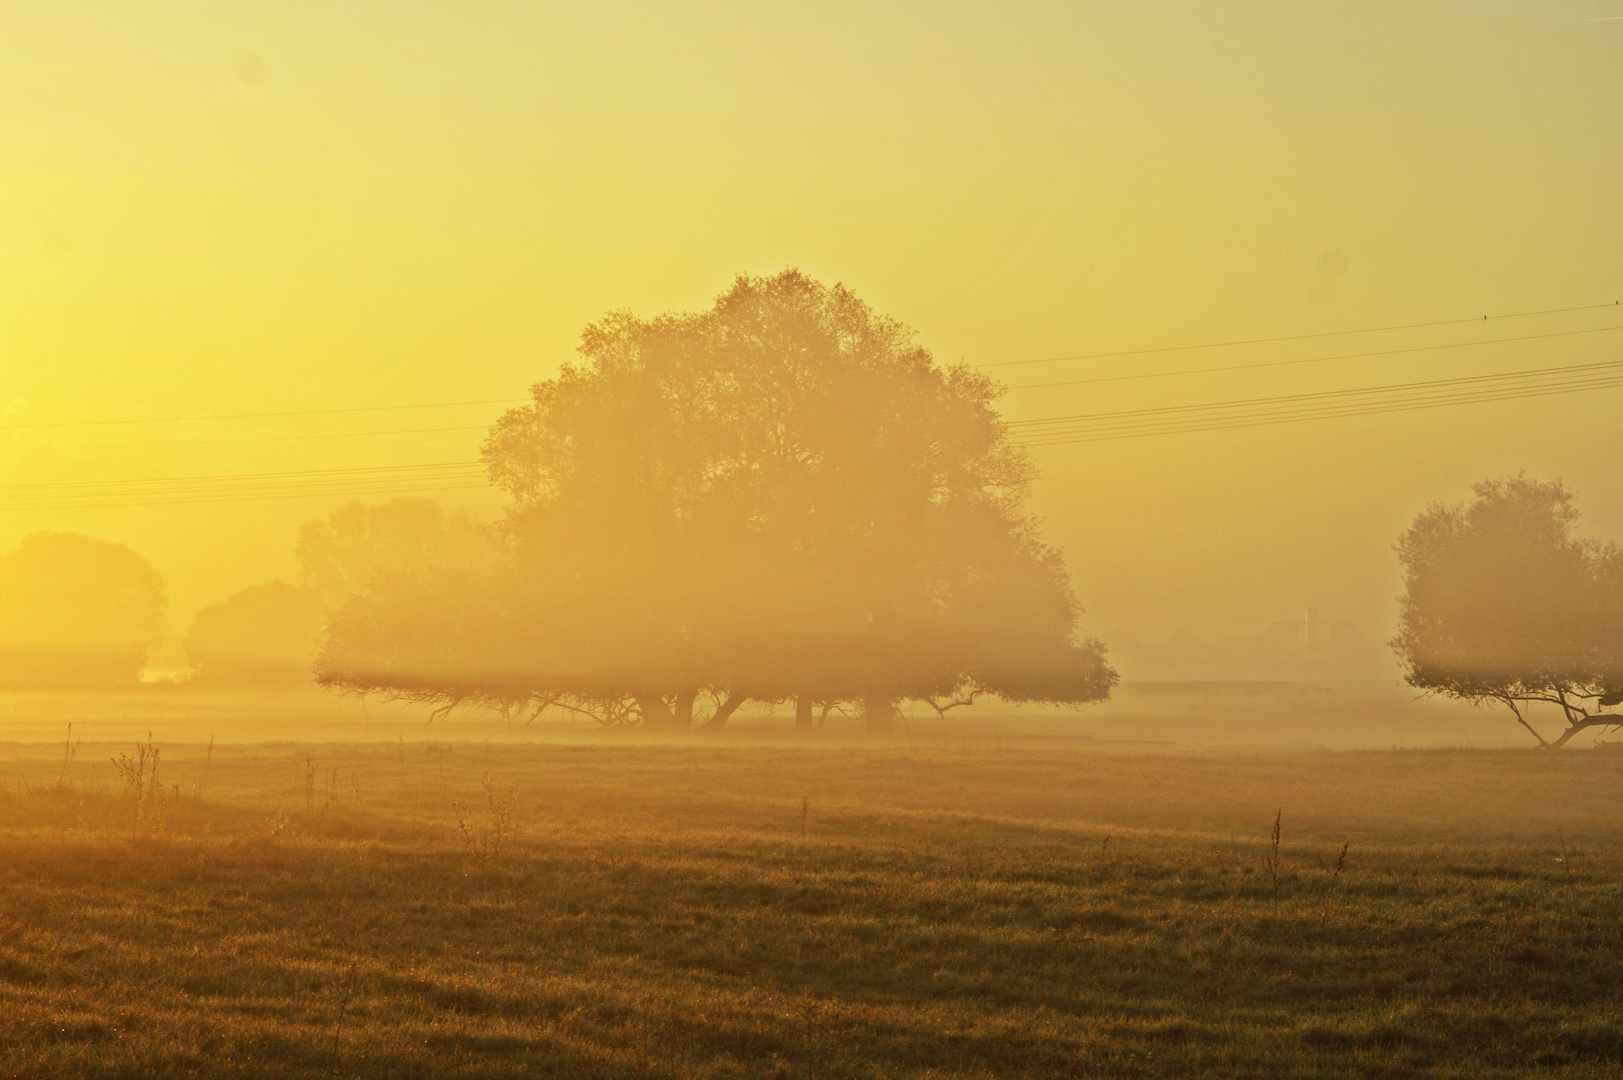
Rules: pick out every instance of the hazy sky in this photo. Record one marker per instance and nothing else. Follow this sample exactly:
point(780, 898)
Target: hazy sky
point(213, 209)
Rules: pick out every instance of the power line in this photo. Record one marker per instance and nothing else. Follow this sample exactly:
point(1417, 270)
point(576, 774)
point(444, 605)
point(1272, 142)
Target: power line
point(1281, 416)
point(1458, 379)
point(262, 415)
point(335, 493)
point(251, 439)
point(1003, 363)
point(248, 476)
point(1046, 431)
point(305, 483)
point(1297, 337)
point(1398, 397)
point(1295, 416)
point(1312, 359)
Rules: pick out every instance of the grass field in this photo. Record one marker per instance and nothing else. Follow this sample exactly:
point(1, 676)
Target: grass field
point(785, 909)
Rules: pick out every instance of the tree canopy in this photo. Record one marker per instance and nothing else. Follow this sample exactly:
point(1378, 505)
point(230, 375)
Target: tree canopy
point(76, 611)
point(783, 496)
point(1503, 602)
point(340, 554)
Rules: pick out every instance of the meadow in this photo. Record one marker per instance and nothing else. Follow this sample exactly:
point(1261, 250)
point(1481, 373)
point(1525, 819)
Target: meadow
point(783, 908)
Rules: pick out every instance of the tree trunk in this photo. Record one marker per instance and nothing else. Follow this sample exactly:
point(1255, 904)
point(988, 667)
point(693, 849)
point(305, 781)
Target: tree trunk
point(803, 713)
point(878, 713)
point(725, 710)
point(684, 708)
point(654, 712)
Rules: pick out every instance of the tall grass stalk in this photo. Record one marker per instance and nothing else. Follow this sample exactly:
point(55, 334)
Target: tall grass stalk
point(70, 749)
point(485, 842)
point(1270, 861)
point(139, 772)
point(1341, 863)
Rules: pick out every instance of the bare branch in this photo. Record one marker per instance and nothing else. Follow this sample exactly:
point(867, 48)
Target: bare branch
point(1510, 701)
point(1567, 707)
point(1607, 720)
point(941, 709)
point(445, 710)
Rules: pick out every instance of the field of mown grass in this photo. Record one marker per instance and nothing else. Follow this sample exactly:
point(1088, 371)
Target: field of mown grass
point(715, 910)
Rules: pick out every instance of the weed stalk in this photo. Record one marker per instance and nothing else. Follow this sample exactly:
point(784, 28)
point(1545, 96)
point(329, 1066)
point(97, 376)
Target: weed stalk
point(1270, 861)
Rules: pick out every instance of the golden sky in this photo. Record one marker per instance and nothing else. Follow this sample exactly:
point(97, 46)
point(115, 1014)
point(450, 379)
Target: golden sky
point(213, 210)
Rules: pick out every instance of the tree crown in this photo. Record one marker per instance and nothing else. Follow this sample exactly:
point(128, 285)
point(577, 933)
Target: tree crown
point(782, 495)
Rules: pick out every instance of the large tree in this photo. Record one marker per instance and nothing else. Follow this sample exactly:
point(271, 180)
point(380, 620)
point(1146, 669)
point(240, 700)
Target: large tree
point(782, 497)
point(1504, 603)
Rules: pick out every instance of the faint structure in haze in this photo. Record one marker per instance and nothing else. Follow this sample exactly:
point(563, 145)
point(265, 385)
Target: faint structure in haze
point(342, 554)
point(782, 497)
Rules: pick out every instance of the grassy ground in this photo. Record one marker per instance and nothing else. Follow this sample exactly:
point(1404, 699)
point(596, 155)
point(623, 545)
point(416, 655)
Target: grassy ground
point(783, 910)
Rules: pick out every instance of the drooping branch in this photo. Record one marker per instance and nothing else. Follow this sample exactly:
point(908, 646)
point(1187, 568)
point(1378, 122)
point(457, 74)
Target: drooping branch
point(445, 710)
point(942, 708)
point(608, 713)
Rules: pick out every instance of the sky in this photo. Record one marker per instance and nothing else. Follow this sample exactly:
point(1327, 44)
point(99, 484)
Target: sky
point(213, 210)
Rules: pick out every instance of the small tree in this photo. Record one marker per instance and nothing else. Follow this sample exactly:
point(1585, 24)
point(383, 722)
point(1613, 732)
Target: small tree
point(264, 634)
point(1503, 603)
point(782, 497)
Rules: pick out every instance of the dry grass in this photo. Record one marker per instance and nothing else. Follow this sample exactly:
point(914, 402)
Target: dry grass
point(774, 911)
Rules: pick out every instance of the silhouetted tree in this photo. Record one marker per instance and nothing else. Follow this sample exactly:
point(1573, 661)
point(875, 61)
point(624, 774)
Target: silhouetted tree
point(1503, 603)
point(263, 634)
point(77, 612)
point(781, 497)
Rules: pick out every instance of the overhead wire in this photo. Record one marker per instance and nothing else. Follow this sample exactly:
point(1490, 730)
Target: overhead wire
point(1313, 359)
point(251, 475)
point(1042, 431)
point(1298, 337)
point(1285, 408)
point(1323, 413)
point(382, 479)
point(261, 415)
point(248, 439)
point(368, 491)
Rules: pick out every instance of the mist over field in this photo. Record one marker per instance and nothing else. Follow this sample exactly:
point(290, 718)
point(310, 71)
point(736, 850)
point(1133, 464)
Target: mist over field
point(733, 540)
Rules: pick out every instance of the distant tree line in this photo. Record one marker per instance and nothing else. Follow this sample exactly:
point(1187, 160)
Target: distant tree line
point(782, 498)
point(779, 499)
point(82, 613)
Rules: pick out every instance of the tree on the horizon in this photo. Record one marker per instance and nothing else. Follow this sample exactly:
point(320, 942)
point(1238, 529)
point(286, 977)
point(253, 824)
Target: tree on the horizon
point(1503, 603)
point(780, 498)
point(264, 634)
point(77, 612)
